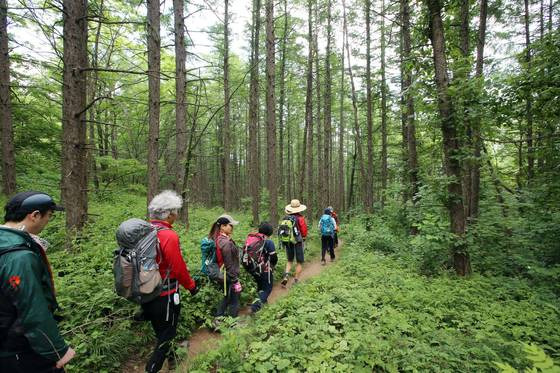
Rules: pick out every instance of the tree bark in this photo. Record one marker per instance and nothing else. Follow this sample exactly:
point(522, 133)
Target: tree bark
point(226, 133)
point(529, 100)
point(254, 185)
point(357, 136)
point(74, 128)
point(281, 121)
point(180, 102)
point(271, 114)
point(327, 143)
point(384, 171)
point(368, 181)
point(451, 145)
point(476, 128)
point(153, 28)
point(6, 125)
point(341, 202)
point(307, 151)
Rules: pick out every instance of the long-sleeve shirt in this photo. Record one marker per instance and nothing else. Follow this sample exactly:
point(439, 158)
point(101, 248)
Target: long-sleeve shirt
point(230, 256)
point(172, 259)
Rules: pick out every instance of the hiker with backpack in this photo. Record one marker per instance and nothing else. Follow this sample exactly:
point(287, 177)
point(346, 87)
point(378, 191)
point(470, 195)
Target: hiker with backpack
point(292, 231)
point(229, 306)
point(30, 340)
point(337, 229)
point(164, 310)
point(259, 259)
point(327, 227)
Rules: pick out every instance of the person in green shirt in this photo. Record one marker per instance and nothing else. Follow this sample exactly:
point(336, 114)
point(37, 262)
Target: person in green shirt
point(30, 340)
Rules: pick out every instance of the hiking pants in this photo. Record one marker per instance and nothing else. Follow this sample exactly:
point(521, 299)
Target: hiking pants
point(264, 288)
point(28, 362)
point(164, 316)
point(230, 303)
point(335, 239)
point(327, 243)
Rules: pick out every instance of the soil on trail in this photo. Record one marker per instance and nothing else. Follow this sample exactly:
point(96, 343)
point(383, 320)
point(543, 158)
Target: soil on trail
point(204, 339)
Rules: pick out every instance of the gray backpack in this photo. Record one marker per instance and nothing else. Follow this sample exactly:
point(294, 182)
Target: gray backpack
point(135, 267)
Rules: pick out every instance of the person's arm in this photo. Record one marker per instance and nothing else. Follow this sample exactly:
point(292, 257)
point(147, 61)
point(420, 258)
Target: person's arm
point(334, 223)
point(172, 254)
point(26, 292)
point(271, 250)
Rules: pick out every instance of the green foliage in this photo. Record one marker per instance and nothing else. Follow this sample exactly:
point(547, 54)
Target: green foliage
point(540, 361)
point(370, 313)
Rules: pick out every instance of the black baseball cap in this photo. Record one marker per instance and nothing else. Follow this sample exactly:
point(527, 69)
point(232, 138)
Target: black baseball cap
point(28, 202)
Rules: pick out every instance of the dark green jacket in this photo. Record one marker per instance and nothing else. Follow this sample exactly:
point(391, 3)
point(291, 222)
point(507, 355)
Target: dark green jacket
point(27, 299)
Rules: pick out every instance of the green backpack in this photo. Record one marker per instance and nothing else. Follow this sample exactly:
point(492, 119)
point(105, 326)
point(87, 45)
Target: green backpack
point(288, 231)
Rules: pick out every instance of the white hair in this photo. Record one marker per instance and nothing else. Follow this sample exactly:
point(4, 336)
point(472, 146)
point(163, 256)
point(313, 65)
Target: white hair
point(163, 204)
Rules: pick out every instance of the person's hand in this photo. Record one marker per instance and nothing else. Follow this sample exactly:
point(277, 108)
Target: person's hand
point(237, 287)
point(195, 290)
point(66, 358)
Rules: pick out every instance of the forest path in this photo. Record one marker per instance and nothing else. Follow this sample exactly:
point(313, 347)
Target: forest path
point(204, 339)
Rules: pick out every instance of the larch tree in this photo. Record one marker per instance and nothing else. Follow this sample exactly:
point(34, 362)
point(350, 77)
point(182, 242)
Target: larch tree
point(253, 152)
point(384, 88)
point(154, 62)
point(180, 105)
point(272, 178)
point(226, 134)
point(451, 145)
point(327, 127)
point(368, 181)
point(6, 125)
point(74, 175)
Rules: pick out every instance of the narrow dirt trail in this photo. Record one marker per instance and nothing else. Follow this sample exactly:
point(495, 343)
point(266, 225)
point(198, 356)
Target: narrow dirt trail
point(204, 339)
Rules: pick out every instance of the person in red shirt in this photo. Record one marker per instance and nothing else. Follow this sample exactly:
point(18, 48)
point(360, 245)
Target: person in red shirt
point(163, 312)
point(295, 208)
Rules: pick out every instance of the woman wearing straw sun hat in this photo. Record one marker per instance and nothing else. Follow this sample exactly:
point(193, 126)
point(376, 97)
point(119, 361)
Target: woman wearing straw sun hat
point(294, 249)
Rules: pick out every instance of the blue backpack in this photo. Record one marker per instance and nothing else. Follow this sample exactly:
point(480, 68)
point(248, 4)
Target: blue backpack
point(327, 225)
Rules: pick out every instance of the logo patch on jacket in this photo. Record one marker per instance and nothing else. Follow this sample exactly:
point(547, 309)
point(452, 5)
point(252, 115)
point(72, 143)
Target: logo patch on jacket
point(14, 281)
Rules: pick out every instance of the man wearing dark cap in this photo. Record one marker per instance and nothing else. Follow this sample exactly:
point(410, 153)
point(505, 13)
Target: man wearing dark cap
point(29, 337)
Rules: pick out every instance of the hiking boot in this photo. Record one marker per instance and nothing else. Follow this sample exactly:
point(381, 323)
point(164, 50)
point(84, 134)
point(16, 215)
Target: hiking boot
point(323, 262)
point(285, 279)
point(332, 260)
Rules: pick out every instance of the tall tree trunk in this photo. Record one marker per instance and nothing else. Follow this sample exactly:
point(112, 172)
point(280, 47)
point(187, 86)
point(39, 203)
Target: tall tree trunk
point(341, 204)
point(327, 143)
point(408, 105)
point(6, 126)
point(114, 149)
point(281, 123)
point(93, 92)
point(319, 188)
point(271, 113)
point(254, 185)
point(357, 136)
point(529, 100)
point(451, 145)
point(180, 103)
point(153, 95)
point(226, 133)
point(368, 181)
point(384, 171)
point(74, 179)
point(476, 128)
point(307, 151)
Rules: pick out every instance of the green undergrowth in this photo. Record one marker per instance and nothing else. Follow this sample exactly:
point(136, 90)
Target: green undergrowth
point(97, 323)
point(372, 312)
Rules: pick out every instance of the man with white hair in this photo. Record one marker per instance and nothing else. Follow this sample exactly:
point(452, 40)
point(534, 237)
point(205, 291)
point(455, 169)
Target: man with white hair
point(163, 312)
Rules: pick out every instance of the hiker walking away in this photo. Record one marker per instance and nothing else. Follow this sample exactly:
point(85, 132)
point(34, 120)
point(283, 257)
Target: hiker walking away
point(30, 340)
point(259, 259)
point(292, 232)
point(163, 312)
point(337, 229)
point(229, 306)
point(327, 227)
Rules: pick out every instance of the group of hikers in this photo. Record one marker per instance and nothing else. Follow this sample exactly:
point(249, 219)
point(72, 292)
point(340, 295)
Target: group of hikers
point(148, 268)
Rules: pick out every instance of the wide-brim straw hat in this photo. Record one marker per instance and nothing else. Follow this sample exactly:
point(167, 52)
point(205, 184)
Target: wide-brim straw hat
point(294, 207)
